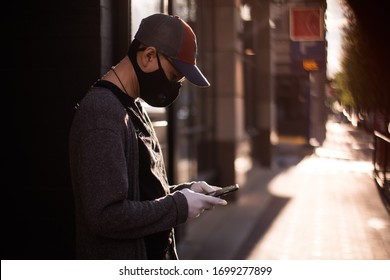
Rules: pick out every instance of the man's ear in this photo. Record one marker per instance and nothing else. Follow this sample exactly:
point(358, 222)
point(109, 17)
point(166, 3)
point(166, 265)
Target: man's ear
point(147, 57)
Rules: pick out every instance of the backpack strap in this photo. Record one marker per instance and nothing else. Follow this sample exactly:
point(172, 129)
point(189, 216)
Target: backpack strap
point(126, 100)
point(133, 162)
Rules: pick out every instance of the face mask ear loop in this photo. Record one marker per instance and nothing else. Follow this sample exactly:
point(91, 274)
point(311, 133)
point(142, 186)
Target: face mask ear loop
point(160, 67)
point(159, 62)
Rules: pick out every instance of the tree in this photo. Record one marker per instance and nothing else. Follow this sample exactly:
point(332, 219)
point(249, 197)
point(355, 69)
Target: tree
point(343, 94)
point(366, 59)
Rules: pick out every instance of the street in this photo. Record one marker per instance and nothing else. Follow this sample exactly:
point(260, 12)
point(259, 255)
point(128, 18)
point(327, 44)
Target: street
point(322, 206)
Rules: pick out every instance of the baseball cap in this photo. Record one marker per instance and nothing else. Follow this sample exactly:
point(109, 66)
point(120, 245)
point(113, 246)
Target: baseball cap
point(174, 38)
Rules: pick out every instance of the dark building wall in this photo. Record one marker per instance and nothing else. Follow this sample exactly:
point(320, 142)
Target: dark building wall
point(292, 101)
point(55, 58)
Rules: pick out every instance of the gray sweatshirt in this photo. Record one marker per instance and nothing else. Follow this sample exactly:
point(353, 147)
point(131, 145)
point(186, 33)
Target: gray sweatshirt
point(111, 221)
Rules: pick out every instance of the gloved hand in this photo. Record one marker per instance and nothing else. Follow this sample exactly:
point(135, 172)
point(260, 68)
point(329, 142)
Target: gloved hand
point(198, 202)
point(203, 187)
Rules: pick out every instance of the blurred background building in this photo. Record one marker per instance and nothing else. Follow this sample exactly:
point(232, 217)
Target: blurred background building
point(265, 60)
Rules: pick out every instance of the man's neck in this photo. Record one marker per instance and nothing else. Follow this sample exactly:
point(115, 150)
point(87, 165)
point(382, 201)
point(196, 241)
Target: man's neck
point(124, 77)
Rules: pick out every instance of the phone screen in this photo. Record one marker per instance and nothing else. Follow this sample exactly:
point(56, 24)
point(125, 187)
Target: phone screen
point(225, 190)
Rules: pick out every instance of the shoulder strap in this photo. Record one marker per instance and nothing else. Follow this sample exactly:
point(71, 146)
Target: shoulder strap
point(127, 101)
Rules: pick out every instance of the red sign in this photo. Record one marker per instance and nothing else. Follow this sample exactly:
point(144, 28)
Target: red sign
point(306, 24)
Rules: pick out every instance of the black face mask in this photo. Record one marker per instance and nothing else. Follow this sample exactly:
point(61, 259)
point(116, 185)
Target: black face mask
point(155, 88)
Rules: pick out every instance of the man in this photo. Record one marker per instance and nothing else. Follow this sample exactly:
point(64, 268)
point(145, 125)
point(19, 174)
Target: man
point(125, 208)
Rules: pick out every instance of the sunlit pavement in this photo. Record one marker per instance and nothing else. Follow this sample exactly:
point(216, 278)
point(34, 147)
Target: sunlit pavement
point(325, 206)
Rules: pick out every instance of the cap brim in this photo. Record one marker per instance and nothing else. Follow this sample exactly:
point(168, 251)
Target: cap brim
point(192, 73)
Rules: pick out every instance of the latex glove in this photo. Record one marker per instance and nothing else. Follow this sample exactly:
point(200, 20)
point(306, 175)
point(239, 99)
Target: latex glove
point(203, 187)
point(198, 202)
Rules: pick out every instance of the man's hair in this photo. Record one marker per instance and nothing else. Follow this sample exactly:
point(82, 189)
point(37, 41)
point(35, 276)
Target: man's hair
point(133, 48)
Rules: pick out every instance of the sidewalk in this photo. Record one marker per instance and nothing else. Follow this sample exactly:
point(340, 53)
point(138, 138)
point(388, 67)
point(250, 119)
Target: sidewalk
point(322, 207)
point(220, 233)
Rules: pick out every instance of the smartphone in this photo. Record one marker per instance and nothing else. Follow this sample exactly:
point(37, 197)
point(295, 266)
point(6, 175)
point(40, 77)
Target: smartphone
point(225, 190)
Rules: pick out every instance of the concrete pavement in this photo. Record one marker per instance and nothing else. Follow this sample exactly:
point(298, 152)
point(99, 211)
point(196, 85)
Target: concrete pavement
point(318, 206)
